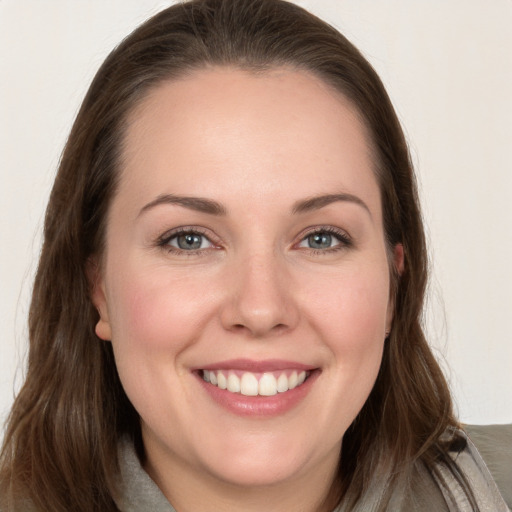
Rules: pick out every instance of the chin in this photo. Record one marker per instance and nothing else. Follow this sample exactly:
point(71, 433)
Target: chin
point(259, 473)
point(259, 461)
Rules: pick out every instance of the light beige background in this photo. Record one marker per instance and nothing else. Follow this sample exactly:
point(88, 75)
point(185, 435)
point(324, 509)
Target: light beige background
point(448, 68)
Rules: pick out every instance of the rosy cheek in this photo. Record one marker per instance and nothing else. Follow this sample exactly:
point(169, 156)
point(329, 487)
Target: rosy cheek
point(160, 312)
point(354, 307)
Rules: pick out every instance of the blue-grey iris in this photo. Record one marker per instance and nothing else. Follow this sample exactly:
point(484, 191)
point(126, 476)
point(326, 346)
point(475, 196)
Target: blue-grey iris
point(320, 241)
point(189, 241)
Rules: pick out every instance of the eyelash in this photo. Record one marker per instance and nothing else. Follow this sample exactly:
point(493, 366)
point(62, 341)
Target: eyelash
point(165, 239)
point(345, 241)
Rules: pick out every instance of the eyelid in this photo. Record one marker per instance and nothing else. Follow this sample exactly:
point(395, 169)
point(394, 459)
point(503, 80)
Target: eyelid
point(344, 239)
point(164, 239)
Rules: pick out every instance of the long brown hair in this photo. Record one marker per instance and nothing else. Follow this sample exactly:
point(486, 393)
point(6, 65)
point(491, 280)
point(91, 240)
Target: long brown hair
point(60, 445)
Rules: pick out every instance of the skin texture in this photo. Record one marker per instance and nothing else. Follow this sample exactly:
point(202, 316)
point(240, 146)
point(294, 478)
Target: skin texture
point(257, 145)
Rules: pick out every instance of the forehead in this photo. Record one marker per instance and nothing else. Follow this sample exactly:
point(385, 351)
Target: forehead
point(252, 130)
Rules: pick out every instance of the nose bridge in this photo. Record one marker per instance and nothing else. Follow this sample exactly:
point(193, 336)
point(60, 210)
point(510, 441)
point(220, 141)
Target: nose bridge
point(260, 301)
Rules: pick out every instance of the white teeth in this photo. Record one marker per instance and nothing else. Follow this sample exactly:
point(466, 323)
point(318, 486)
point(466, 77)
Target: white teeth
point(282, 383)
point(267, 385)
point(249, 385)
point(233, 383)
point(292, 380)
point(222, 381)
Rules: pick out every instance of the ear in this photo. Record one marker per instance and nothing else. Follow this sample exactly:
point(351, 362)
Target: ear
point(398, 267)
point(99, 299)
point(398, 258)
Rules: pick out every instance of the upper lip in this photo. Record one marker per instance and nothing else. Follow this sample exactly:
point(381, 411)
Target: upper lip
point(248, 365)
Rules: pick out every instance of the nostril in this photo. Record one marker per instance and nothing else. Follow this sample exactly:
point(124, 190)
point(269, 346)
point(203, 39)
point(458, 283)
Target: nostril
point(255, 332)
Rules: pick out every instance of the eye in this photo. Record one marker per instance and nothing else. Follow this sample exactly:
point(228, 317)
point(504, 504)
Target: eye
point(325, 239)
point(189, 241)
point(319, 241)
point(185, 240)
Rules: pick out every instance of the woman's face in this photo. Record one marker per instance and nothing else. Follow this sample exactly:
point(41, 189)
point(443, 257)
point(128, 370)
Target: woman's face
point(245, 249)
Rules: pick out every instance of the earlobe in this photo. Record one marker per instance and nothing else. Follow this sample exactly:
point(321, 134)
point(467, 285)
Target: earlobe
point(398, 258)
point(399, 265)
point(102, 330)
point(99, 300)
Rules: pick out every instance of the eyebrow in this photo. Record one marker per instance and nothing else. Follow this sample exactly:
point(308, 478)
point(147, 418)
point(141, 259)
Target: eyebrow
point(317, 202)
point(203, 205)
point(199, 204)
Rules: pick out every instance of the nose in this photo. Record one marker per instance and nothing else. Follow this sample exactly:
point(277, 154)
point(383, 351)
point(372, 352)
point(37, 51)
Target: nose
point(260, 300)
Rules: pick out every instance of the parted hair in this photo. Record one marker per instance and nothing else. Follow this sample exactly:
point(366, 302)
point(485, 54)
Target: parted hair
point(60, 444)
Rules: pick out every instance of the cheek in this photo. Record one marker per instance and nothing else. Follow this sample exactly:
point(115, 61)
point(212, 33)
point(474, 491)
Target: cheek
point(347, 312)
point(156, 311)
point(351, 308)
point(155, 319)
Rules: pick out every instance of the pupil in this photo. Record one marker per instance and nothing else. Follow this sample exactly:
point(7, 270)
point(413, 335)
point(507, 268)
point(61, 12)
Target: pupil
point(189, 241)
point(320, 241)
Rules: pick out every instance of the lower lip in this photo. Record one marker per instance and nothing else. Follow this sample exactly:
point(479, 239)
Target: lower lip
point(265, 406)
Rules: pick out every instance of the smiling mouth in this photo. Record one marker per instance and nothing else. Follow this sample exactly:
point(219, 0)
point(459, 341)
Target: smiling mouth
point(255, 384)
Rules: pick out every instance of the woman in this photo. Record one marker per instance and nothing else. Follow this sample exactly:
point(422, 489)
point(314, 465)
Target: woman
point(226, 310)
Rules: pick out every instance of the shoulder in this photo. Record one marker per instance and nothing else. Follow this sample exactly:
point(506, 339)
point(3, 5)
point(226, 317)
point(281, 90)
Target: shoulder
point(458, 482)
point(494, 443)
point(471, 468)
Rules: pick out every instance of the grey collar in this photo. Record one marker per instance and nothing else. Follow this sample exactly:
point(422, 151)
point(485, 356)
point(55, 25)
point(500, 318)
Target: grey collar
point(139, 493)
